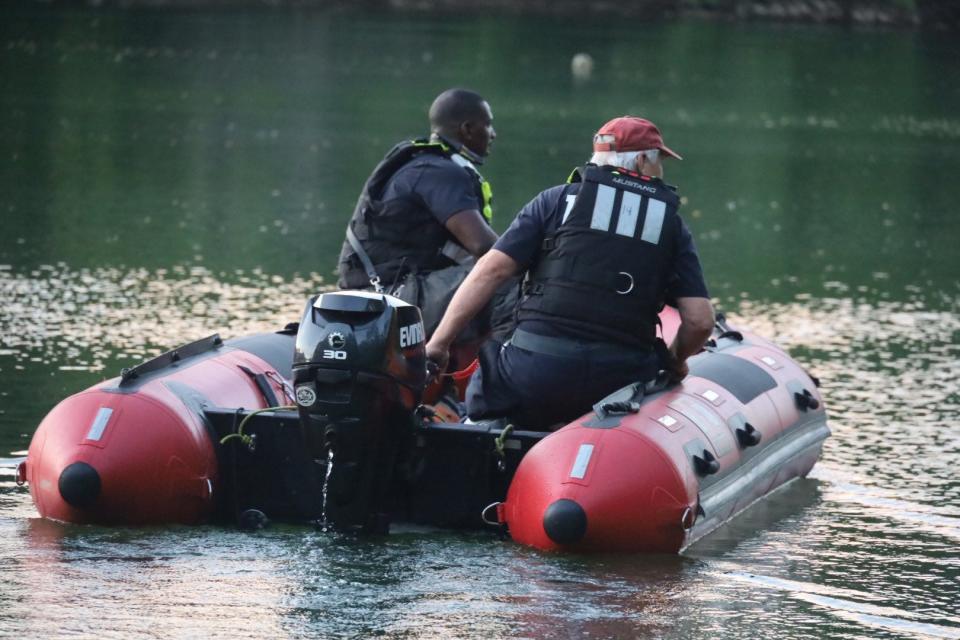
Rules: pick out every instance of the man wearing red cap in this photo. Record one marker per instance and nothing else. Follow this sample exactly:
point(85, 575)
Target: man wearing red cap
point(602, 254)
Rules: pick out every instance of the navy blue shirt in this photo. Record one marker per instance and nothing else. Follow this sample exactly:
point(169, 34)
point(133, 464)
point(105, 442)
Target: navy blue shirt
point(445, 187)
point(542, 216)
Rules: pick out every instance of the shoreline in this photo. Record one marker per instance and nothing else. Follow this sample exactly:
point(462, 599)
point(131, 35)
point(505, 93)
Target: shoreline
point(912, 14)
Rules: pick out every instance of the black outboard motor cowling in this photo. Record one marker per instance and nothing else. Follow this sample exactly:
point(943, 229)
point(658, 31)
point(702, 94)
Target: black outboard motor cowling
point(359, 371)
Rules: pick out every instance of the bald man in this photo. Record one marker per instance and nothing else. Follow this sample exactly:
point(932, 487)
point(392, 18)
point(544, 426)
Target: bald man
point(423, 217)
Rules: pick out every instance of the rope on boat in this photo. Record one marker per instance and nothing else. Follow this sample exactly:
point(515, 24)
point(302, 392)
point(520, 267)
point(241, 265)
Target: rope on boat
point(499, 443)
point(248, 440)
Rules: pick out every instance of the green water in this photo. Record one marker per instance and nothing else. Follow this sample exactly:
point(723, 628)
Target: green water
point(164, 175)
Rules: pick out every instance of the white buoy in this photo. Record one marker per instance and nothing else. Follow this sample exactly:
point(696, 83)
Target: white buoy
point(581, 66)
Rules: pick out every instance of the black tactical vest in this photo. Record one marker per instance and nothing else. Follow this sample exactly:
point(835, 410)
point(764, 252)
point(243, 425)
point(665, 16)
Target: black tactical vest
point(400, 233)
point(604, 271)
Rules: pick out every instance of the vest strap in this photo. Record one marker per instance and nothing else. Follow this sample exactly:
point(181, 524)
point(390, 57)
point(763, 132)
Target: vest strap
point(584, 303)
point(566, 347)
point(365, 259)
point(585, 275)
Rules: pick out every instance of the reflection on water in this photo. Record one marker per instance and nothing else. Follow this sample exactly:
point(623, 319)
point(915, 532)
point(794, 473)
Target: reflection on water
point(853, 605)
point(140, 585)
point(938, 519)
point(891, 376)
point(869, 541)
point(79, 320)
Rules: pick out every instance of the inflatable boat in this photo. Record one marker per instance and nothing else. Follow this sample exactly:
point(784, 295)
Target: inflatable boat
point(325, 422)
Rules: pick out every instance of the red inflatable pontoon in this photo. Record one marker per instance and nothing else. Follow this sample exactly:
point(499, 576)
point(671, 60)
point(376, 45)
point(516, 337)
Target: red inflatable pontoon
point(654, 472)
point(135, 449)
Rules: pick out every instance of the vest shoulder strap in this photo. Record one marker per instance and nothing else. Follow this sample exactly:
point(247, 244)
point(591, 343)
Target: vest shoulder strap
point(397, 157)
point(485, 193)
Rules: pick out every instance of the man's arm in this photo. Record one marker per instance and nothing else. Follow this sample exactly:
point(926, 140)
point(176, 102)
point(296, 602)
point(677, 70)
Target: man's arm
point(492, 270)
point(471, 231)
point(696, 324)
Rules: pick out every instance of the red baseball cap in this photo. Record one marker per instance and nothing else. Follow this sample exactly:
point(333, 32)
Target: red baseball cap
point(630, 133)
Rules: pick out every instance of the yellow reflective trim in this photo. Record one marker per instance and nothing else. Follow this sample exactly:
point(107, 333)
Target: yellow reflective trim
point(427, 143)
point(487, 192)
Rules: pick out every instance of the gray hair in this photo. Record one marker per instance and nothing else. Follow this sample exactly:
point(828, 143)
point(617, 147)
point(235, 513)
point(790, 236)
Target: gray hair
point(623, 159)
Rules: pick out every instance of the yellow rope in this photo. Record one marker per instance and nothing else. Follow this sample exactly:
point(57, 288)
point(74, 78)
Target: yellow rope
point(248, 440)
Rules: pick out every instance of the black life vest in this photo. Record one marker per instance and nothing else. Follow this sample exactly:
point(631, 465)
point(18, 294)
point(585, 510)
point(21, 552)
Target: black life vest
point(603, 273)
point(402, 233)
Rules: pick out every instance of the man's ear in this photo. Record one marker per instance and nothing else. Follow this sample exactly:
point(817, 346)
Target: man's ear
point(464, 129)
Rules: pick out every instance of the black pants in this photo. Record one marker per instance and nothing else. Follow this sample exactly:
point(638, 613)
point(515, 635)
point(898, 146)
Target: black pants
point(539, 391)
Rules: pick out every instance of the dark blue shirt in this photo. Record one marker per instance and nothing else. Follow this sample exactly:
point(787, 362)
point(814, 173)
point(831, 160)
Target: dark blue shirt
point(445, 187)
point(542, 216)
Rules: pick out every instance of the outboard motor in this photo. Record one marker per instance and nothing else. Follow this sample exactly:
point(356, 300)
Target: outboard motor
point(359, 370)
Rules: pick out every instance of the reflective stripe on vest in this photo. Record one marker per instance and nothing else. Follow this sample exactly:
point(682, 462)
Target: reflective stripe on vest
point(604, 270)
point(486, 191)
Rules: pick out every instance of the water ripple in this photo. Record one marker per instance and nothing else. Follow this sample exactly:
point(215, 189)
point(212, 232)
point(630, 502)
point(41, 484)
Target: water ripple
point(891, 380)
point(841, 603)
point(83, 319)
